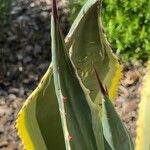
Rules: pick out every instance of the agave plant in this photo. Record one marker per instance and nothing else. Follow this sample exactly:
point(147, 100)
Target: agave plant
point(142, 141)
point(71, 108)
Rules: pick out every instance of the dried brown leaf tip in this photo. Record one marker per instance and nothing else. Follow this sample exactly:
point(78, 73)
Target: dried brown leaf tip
point(54, 10)
point(102, 89)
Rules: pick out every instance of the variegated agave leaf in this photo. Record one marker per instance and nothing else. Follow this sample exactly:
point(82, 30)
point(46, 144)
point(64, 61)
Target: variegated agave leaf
point(80, 119)
point(39, 124)
point(88, 46)
point(142, 141)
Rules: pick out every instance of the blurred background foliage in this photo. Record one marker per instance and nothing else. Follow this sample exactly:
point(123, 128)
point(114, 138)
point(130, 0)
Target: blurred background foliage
point(5, 6)
point(127, 26)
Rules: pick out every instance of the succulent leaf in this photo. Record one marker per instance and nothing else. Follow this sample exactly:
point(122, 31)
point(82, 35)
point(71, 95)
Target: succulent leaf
point(78, 114)
point(142, 141)
point(114, 130)
point(39, 124)
point(88, 46)
point(115, 133)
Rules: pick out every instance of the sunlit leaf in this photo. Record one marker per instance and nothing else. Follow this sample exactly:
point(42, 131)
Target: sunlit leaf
point(143, 123)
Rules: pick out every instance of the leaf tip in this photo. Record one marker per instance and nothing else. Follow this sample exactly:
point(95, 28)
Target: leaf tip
point(103, 90)
point(54, 9)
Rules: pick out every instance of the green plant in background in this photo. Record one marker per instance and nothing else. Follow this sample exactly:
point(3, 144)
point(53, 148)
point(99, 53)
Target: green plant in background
point(84, 118)
point(5, 6)
point(127, 26)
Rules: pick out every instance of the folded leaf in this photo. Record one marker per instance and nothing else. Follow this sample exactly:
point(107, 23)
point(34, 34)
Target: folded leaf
point(88, 46)
point(142, 141)
point(39, 123)
point(80, 117)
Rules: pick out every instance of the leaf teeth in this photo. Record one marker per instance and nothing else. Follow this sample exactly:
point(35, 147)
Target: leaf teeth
point(63, 98)
point(103, 90)
point(69, 137)
point(54, 10)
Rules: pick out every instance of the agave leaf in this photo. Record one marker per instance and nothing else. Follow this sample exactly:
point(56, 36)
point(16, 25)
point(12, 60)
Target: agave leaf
point(39, 124)
point(115, 133)
point(114, 130)
point(142, 141)
point(88, 46)
point(78, 113)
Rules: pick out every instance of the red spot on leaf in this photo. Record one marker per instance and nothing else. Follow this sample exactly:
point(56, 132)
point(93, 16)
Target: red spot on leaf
point(64, 98)
point(69, 137)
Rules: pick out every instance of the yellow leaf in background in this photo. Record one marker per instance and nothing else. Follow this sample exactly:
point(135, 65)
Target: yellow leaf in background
point(143, 123)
